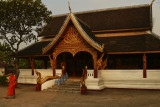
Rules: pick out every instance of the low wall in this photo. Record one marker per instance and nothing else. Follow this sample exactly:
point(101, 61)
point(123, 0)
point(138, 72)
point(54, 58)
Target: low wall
point(47, 84)
point(90, 74)
point(26, 76)
point(130, 79)
point(106, 78)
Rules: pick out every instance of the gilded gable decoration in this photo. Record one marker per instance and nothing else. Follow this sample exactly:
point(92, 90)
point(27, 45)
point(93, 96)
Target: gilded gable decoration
point(71, 36)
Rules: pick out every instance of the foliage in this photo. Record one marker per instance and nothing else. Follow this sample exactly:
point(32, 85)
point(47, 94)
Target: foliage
point(5, 51)
point(23, 63)
point(21, 20)
point(3, 80)
point(39, 64)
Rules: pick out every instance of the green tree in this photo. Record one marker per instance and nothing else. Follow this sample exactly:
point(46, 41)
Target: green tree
point(21, 21)
point(5, 51)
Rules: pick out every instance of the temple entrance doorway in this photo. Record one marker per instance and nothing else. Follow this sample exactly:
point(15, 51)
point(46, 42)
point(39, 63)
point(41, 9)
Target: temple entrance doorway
point(82, 59)
point(75, 65)
point(65, 59)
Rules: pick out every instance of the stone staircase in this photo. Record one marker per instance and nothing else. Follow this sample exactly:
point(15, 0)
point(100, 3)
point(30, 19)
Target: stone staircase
point(69, 86)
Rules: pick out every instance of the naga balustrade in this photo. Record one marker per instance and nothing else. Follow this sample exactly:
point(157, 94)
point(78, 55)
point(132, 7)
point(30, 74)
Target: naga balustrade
point(58, 79)
point(83, 86)
point(41, 81)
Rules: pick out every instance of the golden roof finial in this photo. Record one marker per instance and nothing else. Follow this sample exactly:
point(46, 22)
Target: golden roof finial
point(69, 6)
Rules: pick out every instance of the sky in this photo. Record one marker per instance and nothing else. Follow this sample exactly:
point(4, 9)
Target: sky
point(61, 7)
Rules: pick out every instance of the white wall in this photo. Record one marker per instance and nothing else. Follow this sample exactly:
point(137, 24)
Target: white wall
point(26, 76)
point(121, 74)
point(47, 84)
point(106, 78)
point(130, 79)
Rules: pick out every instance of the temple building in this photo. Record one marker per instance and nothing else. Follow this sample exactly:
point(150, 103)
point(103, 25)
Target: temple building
point(116, 45)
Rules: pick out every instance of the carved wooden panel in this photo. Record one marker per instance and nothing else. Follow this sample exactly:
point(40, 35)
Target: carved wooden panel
point(73, 43)
point(71, 36)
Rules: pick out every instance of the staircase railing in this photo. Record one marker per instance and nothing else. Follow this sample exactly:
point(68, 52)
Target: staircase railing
point(58, 79)
point(40, 81)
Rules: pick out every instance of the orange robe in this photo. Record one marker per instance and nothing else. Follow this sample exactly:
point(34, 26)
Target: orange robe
point(12, 86)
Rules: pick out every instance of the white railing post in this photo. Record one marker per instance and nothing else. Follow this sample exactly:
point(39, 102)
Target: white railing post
point(90, 74)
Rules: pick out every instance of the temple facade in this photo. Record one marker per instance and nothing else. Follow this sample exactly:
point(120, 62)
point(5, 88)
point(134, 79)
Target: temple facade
point(116, 45)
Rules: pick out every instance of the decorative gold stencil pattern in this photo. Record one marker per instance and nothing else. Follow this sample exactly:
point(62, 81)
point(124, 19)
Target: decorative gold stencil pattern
point(71, 36)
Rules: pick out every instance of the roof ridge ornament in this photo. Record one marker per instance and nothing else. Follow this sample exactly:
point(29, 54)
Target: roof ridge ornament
point(69, 7)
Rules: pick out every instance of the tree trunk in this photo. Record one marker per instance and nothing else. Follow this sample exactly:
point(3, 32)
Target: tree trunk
point(16, 66)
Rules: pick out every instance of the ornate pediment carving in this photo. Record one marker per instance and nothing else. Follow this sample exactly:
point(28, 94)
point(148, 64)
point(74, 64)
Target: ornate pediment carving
point(71, 36)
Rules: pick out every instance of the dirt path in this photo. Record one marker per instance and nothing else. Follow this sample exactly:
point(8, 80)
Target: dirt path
point(26, 96)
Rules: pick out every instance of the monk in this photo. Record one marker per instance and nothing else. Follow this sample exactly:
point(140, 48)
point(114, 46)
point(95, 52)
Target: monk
point(12, 86)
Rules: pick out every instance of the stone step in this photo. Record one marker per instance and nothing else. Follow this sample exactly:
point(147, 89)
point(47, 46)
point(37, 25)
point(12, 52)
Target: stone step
point(61, 88)
point(70, 82)
point(65, 91)
point(69, 86)
point(66, 82)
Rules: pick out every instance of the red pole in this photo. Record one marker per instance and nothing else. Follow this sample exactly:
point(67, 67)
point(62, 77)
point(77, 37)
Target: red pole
point(63, 70)
point(95, 68)
point(54, 67)
point(86, 70)
point(144, 66)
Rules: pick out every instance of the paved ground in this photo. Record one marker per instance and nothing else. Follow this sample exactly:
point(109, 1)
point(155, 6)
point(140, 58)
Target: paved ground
point(26, 96)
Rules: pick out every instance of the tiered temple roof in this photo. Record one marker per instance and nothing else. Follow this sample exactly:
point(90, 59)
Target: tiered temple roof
point(126, 29)
point(107, 19)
